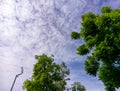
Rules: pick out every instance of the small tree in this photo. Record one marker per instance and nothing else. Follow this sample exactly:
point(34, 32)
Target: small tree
point(47, 75)
point(76, 86)
point(101, 35)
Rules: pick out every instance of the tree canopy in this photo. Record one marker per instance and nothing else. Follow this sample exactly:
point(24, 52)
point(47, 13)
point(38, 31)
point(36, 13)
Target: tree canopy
point(76, 86)
point(47, 75)
point(101, 35)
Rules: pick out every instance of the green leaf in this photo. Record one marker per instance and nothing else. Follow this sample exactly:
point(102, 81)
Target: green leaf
point(75, 35)
point(82, 50)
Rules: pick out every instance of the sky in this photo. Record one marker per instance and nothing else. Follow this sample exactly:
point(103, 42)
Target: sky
point(34, 27)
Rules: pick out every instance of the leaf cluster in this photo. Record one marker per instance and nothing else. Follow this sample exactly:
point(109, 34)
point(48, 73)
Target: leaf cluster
point(77, 86)
point(47, 75)
point(101, 34)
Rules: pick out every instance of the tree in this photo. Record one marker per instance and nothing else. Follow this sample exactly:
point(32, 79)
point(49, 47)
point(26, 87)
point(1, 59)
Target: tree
point(76, 86)
point(47, 75)
point(64, 72)
point(101, 35)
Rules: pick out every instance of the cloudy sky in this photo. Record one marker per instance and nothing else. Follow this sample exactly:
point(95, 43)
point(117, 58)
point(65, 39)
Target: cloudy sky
point(34, 27)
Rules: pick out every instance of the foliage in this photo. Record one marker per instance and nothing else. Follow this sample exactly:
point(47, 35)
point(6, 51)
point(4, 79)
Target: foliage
point(47, 75)
point(76, 86)
point(101, 35)
point(91, 65)
point(75, 35)
point(82, 50)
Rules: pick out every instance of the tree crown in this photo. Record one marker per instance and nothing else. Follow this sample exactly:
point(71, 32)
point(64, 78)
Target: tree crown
point(101, 34)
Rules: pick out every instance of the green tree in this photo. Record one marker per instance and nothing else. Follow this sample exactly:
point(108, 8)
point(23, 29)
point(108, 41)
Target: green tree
point(64, 72)
point(47, 75)
point(101, 35)
point(76, 86)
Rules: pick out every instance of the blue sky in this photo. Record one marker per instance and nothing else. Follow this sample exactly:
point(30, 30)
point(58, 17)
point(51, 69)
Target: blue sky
point(30, 27)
